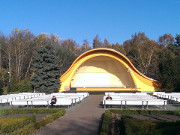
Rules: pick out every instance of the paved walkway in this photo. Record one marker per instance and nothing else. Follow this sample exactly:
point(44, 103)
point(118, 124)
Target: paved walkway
point(84, 119)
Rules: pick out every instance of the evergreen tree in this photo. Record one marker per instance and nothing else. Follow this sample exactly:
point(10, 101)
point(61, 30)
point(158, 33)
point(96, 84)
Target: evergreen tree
point(46, 72)
point(169, 67)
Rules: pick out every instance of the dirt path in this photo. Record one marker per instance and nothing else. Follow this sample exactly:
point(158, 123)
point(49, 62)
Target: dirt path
point(84, 119)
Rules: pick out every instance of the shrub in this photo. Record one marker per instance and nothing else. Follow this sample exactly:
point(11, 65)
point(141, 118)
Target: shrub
point(161, 112)
point(171, 130)
point(51, 118)
point(25, 86)
point(138, 127)
point(165, 124)
point(124, 111)
point(105, 123)
point(3, 111)
point(149, 127)
point(25, 111)
point(10, 124)
point(177, 112)
point(13, 85)
point(131, 125)
point(30, 129)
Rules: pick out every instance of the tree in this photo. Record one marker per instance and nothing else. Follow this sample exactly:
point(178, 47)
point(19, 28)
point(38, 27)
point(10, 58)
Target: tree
point(166, 39)
point(42, 39)
point(1, 87)
point(13, 85)
point(55, 41)
point(177, 77)
point(4, 76)
point(70, 44)
point(177, 44)
point(3, 52)
point(25, 86)
point(65, 58)
point(20, 51)
point(97, 43)
point(143, 53)
point(46, 72)
point(118, 48)
point(85, 47)
point(106, 43)
point(169, 71)
point(177, 40)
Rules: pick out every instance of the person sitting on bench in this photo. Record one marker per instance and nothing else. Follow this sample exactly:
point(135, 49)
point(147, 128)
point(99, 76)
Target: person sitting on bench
point(108, 97)
point(53, 101)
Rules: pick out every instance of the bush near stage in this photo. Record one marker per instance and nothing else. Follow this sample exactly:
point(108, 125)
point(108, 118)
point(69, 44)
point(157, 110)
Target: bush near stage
point(129, 125)
point(23, 127)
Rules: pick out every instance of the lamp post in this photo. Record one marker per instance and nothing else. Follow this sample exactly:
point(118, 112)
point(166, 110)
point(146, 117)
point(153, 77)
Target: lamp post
point(8, 89)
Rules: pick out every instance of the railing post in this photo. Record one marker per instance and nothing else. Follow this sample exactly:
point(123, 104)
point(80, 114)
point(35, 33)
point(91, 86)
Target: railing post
point(104, 104)
point(164, 105)
point(47, 104)
point(125, 104)
point(31, 104)
point(135, 88)
point(73, 103)
point(121, 104)
point(27, 104)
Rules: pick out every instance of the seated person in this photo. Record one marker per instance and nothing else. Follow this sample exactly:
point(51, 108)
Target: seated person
point(53, 101)
point(108, 97)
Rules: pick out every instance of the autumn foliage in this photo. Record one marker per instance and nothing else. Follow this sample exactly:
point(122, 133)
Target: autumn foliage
point(159, 59)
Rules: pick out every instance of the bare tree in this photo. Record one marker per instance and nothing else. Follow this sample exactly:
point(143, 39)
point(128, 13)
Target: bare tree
point(21, 48)
point(142, 52)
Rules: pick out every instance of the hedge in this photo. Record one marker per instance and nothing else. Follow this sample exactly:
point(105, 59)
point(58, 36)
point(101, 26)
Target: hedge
point(174, 130)
point(106, 120)
point(177, 112)
point(105, 123)
point(31, 128)
point(26, 111)
point(3, 111)
point(134, 126)
point(149, 127)
point(11, 124)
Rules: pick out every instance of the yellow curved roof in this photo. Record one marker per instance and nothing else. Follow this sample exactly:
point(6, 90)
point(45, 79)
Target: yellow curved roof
point(114, 53)
point(105, 51)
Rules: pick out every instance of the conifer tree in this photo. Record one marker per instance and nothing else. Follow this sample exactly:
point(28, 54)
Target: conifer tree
point(46, 73)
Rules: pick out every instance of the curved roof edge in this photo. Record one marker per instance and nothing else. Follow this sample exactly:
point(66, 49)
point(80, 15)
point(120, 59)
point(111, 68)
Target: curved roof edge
point(110, 50)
